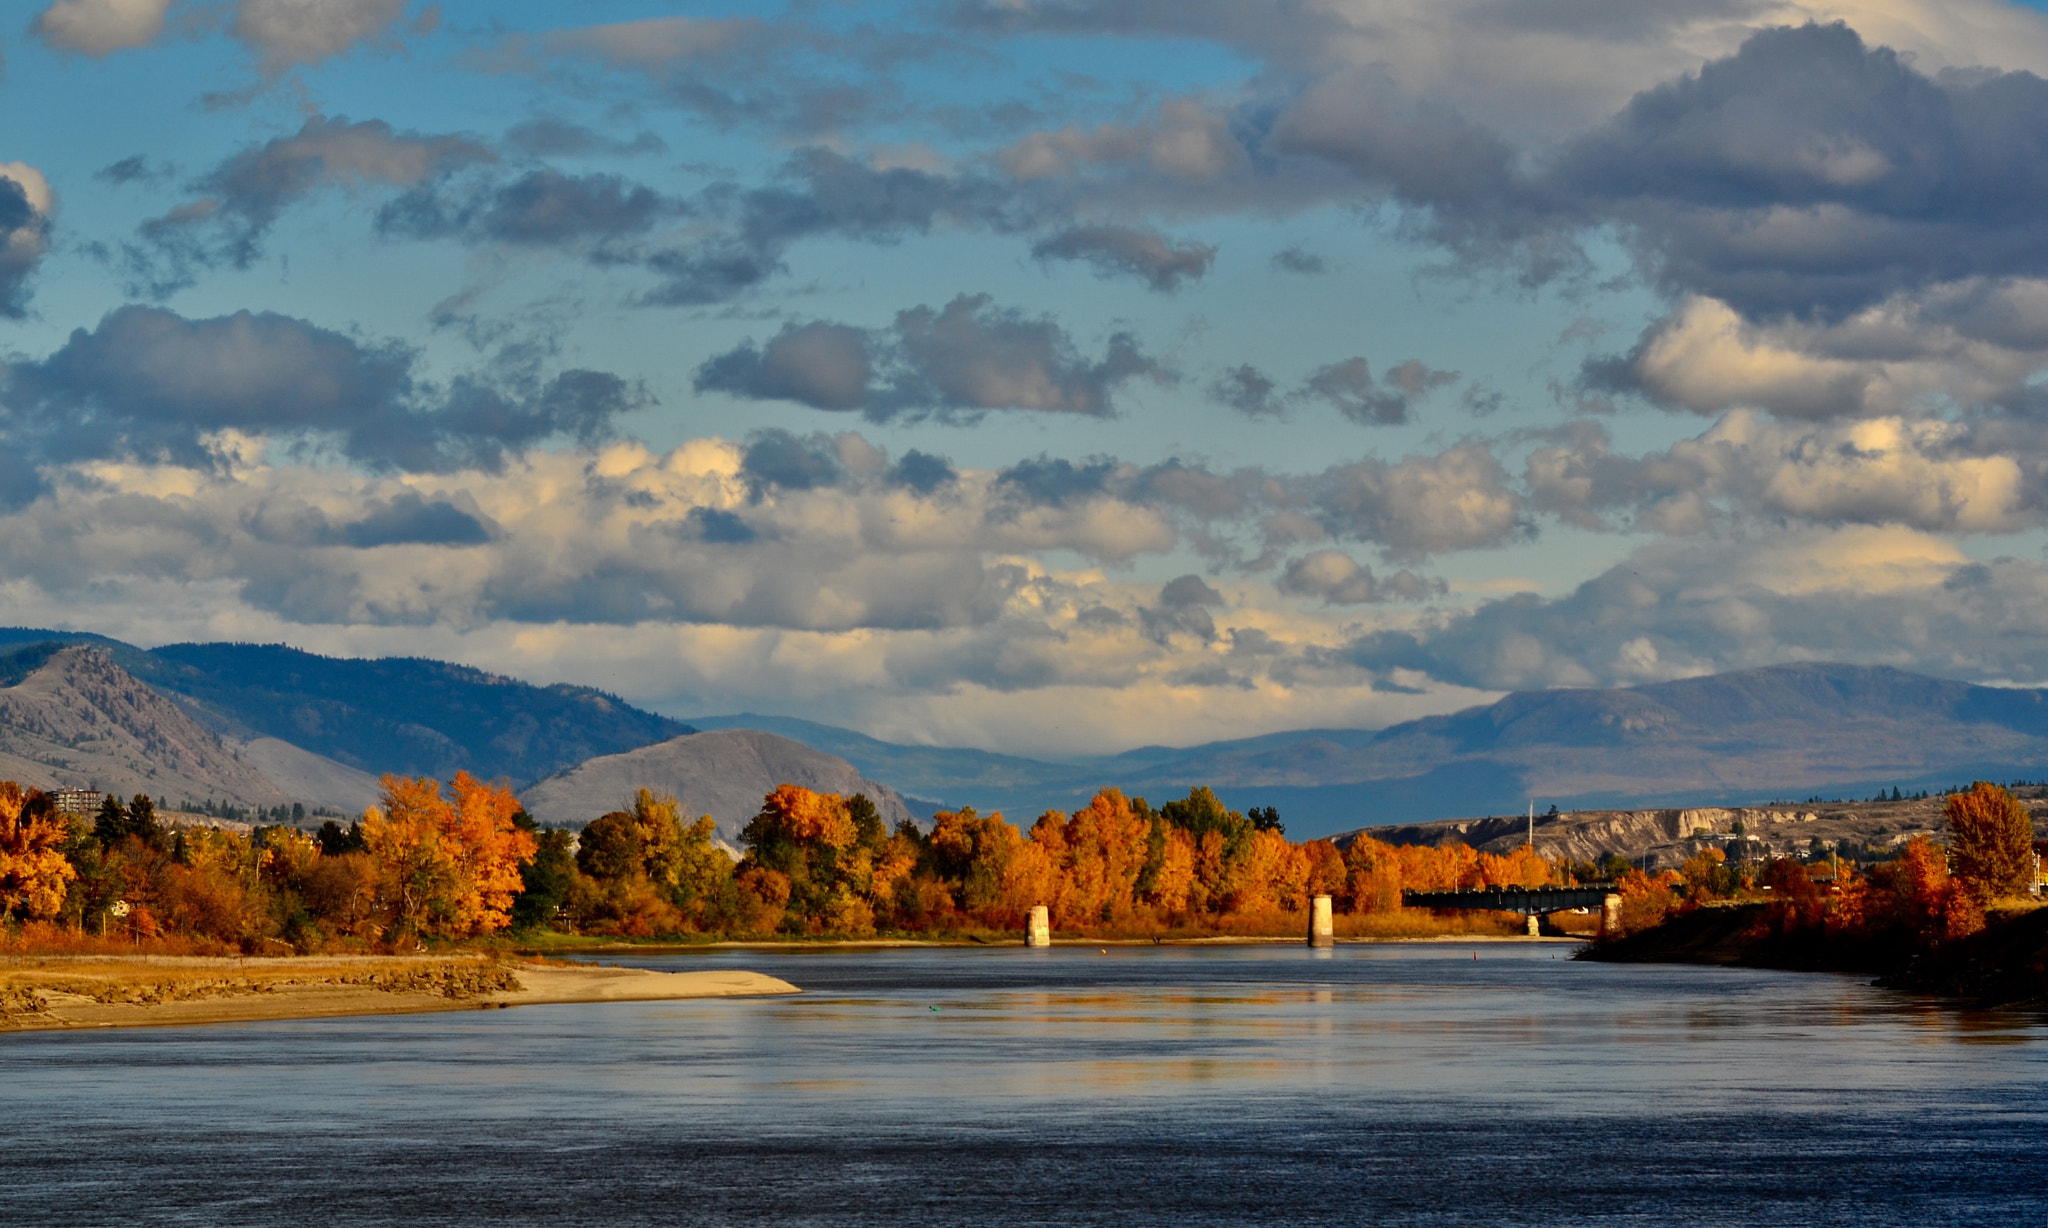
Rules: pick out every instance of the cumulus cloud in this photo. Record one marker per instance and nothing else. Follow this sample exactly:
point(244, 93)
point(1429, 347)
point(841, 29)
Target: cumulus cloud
point(288, 33)
point(1928, 474)
point(1336, 578)
point(242, 198)
point(965, 358)
point(1458, 499)
point(1677, 608)
point(25, 208)
point(100, 27)
point(1129, 251)
point(153, 386)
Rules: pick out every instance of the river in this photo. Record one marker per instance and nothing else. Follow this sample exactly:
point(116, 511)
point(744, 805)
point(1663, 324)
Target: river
point(1412, 1084)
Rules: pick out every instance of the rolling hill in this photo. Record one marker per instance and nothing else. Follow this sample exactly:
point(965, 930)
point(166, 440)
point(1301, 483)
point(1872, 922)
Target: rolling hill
point(723, 773)
point(408, 715)
point(1789, 731)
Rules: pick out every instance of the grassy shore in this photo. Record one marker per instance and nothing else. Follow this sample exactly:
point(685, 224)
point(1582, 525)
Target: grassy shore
point(98, 991)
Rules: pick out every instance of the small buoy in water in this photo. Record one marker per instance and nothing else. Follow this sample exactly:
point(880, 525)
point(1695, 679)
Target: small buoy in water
point(1475, 955)
point(935, 1008)
point(1105, 950)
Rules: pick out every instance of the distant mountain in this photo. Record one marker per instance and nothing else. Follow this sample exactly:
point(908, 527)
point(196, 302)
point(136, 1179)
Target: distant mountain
point(723, 773)
point(70, 716)
point(1787, 731)
point(406, 715)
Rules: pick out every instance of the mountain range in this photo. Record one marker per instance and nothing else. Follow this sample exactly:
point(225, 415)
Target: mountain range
point(257, 724)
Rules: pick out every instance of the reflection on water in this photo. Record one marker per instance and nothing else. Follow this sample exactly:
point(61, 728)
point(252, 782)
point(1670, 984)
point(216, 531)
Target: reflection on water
point(1370, 1084)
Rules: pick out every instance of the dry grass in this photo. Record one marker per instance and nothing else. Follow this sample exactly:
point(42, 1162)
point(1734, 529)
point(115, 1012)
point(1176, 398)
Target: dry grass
point(29, 983)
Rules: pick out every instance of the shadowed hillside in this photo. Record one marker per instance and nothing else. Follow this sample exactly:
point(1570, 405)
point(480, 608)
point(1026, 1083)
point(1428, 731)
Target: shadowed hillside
point(396, 714)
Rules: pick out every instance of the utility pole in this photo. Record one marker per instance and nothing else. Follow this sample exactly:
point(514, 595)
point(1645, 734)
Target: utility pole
point(1532, 826)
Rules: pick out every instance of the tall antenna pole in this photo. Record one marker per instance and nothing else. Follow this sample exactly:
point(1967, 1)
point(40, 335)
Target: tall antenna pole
point(1532, 824)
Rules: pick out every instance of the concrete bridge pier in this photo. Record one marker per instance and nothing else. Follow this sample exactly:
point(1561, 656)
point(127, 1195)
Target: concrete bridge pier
point(1038, 933)
point(1610, 916)
point(1535, 926)
point(1322, 929)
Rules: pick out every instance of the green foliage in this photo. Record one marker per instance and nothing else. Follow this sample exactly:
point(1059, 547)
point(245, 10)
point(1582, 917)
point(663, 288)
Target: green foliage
point(545, 881)
point(611, 847)
point(334, 841)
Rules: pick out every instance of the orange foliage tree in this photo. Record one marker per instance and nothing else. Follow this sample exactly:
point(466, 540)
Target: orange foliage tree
point(34, 873)
point(448, 862)
point(1992, 838)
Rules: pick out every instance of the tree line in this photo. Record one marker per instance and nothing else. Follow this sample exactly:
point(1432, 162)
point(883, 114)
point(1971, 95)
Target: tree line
point(1924, 896)
point(463, 861)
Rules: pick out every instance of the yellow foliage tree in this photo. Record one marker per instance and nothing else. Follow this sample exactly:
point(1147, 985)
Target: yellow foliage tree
point(33, 870)
point(448, 864)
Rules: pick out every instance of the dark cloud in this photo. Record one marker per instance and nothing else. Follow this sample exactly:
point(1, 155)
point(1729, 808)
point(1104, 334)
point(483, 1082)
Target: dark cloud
point(149, 384)
point(543, 208)
point(1182, 610)
point(922, 472)
point(1351, 389)
point(1809, 172)
point(1190, 590)
point(555, 138)
point(24, 237)
point(135, 168)
point(820, 193)
point(241, 199)
point(819, 364)
point(1057, 482)
point(782, 460)
point(1130, 251)
point(1300, 260)
point(1247, 390)
point(720, 528)
point(962, 359)
point(412, 520)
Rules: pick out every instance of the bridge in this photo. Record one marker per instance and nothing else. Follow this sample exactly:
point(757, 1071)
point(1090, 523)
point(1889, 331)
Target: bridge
point(1534, 901)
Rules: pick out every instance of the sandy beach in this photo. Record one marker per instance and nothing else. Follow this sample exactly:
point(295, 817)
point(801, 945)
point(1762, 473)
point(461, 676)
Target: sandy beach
point(60, 992)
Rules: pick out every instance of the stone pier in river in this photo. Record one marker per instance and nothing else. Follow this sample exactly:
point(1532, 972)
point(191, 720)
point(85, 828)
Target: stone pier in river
point(1322, 930)
point(1039, 932)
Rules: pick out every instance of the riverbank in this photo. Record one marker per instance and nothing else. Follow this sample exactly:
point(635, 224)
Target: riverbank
point(2004, 964)
point(59, 992)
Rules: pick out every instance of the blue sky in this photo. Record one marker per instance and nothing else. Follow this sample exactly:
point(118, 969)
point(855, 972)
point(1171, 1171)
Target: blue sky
point(1037, 374)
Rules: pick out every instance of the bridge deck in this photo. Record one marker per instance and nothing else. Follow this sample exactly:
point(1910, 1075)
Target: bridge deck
point(1536, 900)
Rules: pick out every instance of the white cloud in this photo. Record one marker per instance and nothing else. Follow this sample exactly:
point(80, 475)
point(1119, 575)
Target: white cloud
point(292, 32)
point(100, 27)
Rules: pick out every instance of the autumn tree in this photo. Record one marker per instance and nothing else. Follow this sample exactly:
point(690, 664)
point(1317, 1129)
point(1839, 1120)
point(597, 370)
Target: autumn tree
point(448, 863)
point(818, 854)
point(33, 871)
point(1991, 837)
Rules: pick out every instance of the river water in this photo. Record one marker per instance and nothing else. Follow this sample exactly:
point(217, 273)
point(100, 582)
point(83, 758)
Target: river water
point(1425, 1084)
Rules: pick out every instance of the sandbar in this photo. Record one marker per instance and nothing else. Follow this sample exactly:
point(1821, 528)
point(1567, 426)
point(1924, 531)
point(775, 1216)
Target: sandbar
point(42, 993)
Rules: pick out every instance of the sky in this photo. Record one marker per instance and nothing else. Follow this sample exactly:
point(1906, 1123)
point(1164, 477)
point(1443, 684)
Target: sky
point(1052, 376)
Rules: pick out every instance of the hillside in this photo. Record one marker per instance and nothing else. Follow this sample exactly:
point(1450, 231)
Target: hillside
point(70, 716)
point(722, 773)
point(397, 714)
point(1731, 739)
